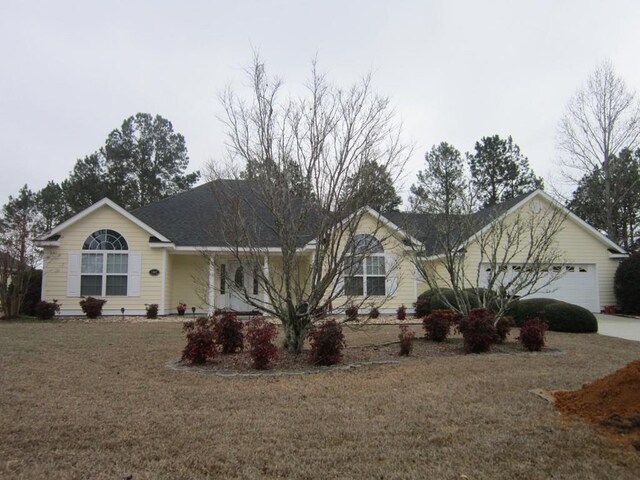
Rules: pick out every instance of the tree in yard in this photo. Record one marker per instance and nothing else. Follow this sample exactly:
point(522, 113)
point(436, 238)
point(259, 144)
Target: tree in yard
point(18, 225)
point(588, 198)
point(305, 155)
point(141, 162)
point(51, 205)
point(441, 186)
point(600, 120)
point(375, 186)
point(499, 171)
point(489, 259)
point(146, 160)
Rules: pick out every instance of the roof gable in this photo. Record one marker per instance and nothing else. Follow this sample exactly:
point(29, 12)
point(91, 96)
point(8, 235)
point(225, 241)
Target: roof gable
point(53, 234)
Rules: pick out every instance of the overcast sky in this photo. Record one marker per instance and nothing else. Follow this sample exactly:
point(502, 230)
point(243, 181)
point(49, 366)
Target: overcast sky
point(455, 71)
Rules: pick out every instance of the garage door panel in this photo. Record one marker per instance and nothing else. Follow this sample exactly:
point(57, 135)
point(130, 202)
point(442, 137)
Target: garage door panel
point(577, 284)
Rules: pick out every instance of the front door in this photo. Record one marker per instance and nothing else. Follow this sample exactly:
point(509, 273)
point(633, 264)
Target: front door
point(237, 282)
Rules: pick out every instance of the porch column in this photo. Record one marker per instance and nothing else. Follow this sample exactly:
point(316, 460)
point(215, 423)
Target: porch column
point(212, 283)
point(265, 272)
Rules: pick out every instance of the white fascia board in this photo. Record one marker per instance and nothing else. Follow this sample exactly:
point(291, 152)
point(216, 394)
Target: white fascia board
point(94, 207)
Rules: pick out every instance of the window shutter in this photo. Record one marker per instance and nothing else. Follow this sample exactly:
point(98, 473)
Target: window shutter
point(73, 274)
point(135, 267)
point(391, 270)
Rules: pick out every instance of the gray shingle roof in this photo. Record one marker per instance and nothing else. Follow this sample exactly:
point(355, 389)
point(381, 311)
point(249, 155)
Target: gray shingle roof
point(427, 227)
point(193, 218)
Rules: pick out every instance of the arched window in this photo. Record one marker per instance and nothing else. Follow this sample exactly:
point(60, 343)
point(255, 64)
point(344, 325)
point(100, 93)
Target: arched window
point(103, 272)
point(366, 273)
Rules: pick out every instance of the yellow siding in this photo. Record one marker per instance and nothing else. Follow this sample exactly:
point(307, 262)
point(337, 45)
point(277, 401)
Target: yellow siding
point(577, 246)
point(72, 239)
point(189, 282)
point(405, 293)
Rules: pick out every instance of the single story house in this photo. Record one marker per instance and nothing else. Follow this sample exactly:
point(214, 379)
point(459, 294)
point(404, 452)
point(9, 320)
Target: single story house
point(154, 255)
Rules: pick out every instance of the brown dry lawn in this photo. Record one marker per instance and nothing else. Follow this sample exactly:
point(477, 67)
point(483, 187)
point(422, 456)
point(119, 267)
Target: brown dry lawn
point(95, 400)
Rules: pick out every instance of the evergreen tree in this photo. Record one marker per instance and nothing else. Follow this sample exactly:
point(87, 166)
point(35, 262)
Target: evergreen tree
point(441, 185)
point(374, 187)
point(499, 171)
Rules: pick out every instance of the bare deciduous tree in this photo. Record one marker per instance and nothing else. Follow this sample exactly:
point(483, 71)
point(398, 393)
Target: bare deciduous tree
point(491, 258)
point(294, 229)
point(600, 120)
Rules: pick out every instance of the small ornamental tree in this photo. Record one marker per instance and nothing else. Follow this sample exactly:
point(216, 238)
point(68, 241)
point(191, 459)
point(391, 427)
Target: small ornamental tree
point(228, 330)
point(92, 307)
point(201, 344)
point(260, 335)
point(327, 342)
point(438, 324)
point(478, 330)
point(532, 334)
point(627, 284)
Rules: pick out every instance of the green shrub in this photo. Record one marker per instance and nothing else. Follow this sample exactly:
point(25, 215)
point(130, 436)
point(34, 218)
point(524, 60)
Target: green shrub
point(433, 300)
point(560, 316)
point(627, 284)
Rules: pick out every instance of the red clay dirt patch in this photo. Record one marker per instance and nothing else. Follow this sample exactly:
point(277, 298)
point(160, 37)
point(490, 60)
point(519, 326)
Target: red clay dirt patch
point(612, 402)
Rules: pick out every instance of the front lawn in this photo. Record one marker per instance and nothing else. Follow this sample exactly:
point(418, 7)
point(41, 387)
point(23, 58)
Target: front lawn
point(95, 400)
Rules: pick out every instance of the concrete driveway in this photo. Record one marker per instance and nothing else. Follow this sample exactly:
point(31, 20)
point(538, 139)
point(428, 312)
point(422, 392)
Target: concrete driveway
point(621, 327)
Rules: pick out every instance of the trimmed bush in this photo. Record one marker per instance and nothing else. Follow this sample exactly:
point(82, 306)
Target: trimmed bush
point(627, 284)
point(406, 340)
point(401, 313)
point(327, 342)
point(374, 313)
point(433, 300)
point(566, 317)
point(201, 343)
point(438, 324)
point(521, 310)
point(559, 316)
point(503, 327)
point(260, 335)
point(532, 334)
point(228, 331)
point(92, 307)
point(352, 313)
point(478, 330)
point(152, 310)
point(46, 310)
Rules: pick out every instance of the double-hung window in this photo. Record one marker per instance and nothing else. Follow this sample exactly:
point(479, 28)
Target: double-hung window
point(105, 264)
point(365, 274)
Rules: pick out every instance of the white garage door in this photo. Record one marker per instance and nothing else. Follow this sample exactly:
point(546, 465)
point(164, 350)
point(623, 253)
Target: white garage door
point(576, 284)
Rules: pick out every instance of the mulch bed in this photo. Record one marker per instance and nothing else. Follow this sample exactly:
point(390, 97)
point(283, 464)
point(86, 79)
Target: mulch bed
point(241, 363)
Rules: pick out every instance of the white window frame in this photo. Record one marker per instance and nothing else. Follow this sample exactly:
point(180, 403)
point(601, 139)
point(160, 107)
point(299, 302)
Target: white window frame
point(104, 273)
point(364, 275)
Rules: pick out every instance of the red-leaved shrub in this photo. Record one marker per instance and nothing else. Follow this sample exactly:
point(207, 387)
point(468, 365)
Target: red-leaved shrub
point(351, 312)
point(327, 342)
point(152, 310)
point(46, 310)
point(92, 307)
point(201, 341)
point(401, 313)
point(478, 330)
point(406, 340)
point(437, 325)
point(503, 327)
point(228, 331)
point(374, 313)
point(532, 334)
point(259, 335)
